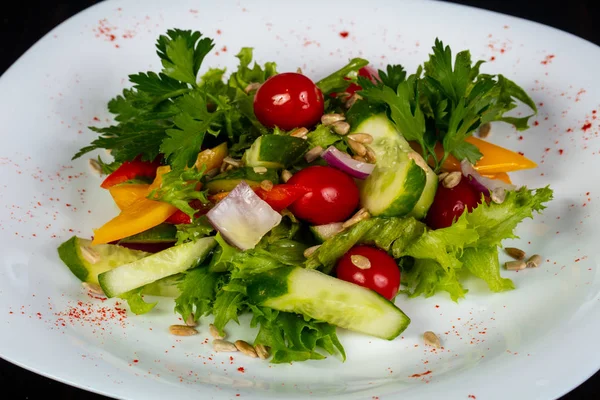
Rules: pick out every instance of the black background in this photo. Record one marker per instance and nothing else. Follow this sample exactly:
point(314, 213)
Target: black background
point(28, 21)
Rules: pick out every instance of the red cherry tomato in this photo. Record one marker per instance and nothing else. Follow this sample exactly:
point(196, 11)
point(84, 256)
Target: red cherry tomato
point(288, 101)
point(367, 72)
point(382, 274)
point(332, 195)
point(449, 204)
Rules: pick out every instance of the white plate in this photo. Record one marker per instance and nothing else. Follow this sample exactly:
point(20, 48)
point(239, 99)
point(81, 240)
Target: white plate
point(535, 342)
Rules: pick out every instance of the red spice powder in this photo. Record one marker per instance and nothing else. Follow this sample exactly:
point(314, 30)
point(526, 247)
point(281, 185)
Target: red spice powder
point(586, 126)
point(344, 34)
point(241, 369)
point(421, 374)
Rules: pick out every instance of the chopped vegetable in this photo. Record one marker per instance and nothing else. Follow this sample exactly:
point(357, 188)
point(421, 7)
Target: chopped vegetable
point(345, 163)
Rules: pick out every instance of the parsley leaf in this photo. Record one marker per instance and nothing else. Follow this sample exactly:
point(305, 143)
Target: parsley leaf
point(342, 78)
point(182, 53)
point(159, 85)
point(178, 188)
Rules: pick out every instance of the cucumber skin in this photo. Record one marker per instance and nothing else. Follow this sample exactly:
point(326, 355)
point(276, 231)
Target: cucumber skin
point(227, 181)
point(65, 251)
point(427, 197)
point(105, 278)
point(163, 233)
point(275, 151)
point(406, 202)
point(275, 283)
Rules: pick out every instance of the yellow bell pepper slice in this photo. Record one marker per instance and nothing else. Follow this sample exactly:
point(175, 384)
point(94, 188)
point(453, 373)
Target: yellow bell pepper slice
point(495, 159)
point(503, 176)
point(126, 195)
point(139, 216)
point(212, 158)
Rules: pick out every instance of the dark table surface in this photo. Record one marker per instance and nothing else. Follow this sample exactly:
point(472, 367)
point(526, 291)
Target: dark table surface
point(26, 22)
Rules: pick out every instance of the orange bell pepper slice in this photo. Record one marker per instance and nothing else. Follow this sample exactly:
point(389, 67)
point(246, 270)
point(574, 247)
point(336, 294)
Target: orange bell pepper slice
point(139, 216)
point(495, 159)
point(126, 195)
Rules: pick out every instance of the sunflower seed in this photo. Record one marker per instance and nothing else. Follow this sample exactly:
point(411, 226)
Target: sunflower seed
point(95, 166)
point(311, 250)
point(299, 70)
point(363, 138)
point(214, 332)
point(484, 130)
point(451, 180)
point(229, 163)
point(262, 351)
point(329, 119)
point(90, 255)
point(351, 100)
point(260, 170)
point(299, 133)
point(182, 330)
point(371, 157)
point(93, 288)
point(313, 154)
point(360, 159)
point(359, 261)
point(515, 253)
point(190, 320)
point(358, 148)
point(515, 265)
point(431, 339)
point(246, 348)
point(285, 175)
point(356, 218)
point(498, 195)
point(442, 176)
point(251, 87)
point(221, 345)
point(266, 185)
point(534, 261)
point(341, 127)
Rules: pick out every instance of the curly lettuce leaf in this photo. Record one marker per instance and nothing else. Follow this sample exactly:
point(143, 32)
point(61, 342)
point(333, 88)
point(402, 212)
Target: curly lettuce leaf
point(198, 291)
point(427, 277)
point(292, 337)
point(178, 188)
point(483, 263)
point(136, 302)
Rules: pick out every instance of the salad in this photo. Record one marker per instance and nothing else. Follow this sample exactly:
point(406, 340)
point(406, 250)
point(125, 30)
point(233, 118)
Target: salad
point(309, 205)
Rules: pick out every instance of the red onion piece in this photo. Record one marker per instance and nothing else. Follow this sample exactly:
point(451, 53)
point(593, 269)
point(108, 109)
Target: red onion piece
point(342, 161)
point(243, 218)
point(481, 183)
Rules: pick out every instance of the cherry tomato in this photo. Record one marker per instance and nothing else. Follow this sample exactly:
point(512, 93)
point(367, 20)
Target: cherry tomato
point(367, 72)
point(381, 275)
point(332, 195)
point(449, 204)
point(289, 100)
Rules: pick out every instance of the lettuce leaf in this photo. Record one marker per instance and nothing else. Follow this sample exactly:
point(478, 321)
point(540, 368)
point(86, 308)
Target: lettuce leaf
point(483, 263)
point(136, 302)
point(292, 337)
point(198, 291)
point(427, 277)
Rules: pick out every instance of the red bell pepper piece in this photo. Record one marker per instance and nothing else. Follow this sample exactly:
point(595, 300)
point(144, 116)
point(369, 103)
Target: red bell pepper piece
point(182, 218)
point(131, 170)
point(281, 196)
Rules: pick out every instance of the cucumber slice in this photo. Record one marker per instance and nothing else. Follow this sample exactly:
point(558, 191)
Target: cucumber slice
point(324, 232)
point(86, 262)
point(165, 287)
point(163, 233)
point(275, 151)
point(426, 199)
point(227, 181)
point(328, 299)
point(156, 266)
point(397, 183)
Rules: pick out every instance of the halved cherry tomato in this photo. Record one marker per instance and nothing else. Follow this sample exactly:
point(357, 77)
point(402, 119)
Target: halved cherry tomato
point(332, 197)
point(289, 100)
point(281, 196)
point(449, 204)
point(131, 170)
point(378, 272)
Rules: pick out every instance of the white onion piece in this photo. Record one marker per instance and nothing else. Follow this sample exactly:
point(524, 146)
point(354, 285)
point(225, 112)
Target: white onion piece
point(342, 161)
point(243, 218)
point(481, 183)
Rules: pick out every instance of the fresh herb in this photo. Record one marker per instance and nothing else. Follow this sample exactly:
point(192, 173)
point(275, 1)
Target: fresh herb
point(446, 103)
point(179, 188)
